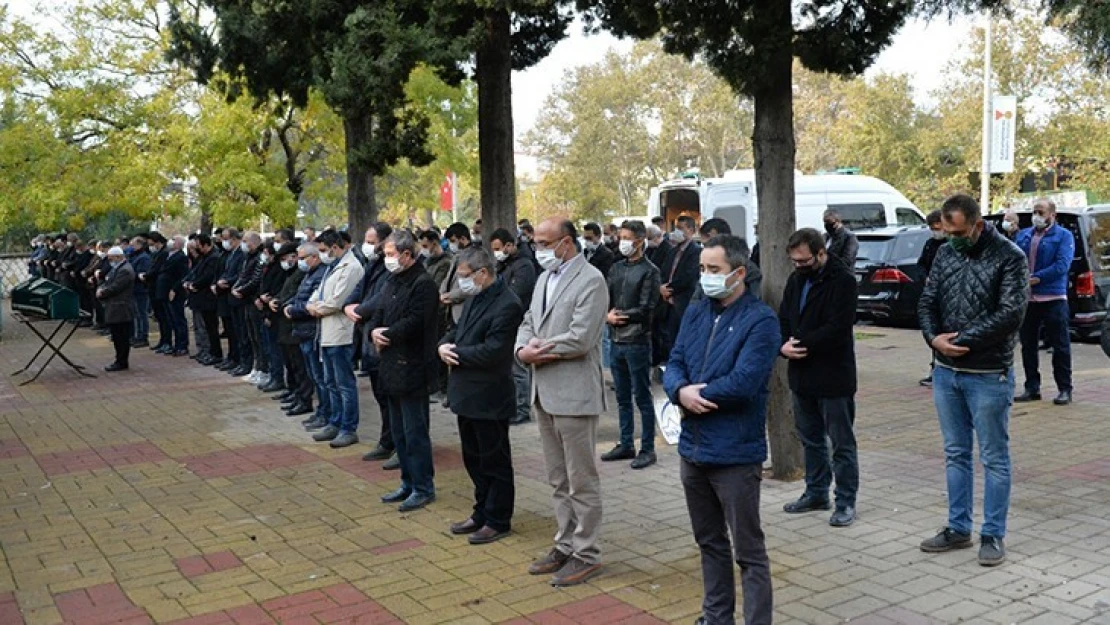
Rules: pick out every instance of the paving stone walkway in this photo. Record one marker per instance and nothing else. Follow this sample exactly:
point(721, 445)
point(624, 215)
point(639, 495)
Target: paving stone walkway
point(176, 494)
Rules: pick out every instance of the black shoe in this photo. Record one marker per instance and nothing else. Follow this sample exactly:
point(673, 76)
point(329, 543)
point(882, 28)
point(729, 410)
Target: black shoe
point(1027, 396)
point(806, 503)
point(991, 551)
point(299, 410)
point(273, 387)
point(378, 453)
point(240, 372)
point(115, 366)
point(178, 353)
point(644, 459)
point(344, 440)
point(314, 423)
point(392, 464)
point(288, 403)
point(397, 496)
point(520, 420)
point(140, 344)
point(327, 433)
point(926, 381)
point(161, 349)
point(284, 396)
point(843, 516)
point(946, 540)
point(227, 365)
point(620, 452)
point(416, 501)
point(1063, 399)
point(700, 621)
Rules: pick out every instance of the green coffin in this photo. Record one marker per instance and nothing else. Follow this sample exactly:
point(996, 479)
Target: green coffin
point(39, 297)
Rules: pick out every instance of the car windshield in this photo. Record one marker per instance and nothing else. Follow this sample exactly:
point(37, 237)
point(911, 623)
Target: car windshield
point(873, 250)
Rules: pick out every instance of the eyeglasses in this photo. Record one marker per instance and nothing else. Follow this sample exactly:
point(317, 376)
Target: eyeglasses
point(804, 263)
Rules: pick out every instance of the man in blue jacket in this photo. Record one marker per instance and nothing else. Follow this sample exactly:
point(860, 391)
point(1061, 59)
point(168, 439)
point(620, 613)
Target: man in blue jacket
point(1050, 249)
point(718, 372)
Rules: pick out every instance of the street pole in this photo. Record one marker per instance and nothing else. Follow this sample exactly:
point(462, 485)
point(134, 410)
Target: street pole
point(454, 198)
point(988, 109)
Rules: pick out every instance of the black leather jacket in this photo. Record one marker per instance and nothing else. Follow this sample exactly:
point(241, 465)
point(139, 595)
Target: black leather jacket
point(634, 291)
point(981, 296)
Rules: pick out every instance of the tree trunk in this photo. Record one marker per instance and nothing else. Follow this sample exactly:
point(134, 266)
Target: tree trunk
point(493, 70)
point(773, 145)
point(205, 221)
point(361, 207)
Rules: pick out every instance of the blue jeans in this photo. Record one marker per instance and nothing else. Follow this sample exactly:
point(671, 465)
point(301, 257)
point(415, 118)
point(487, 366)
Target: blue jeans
point(277, 363)
point(142, 317)
point(409, 422)
point(819, 422)
point(339, 373)
point(606, 349)
point(315, 370)
point(631, 369)
point(975, 404)
point(1055, 319)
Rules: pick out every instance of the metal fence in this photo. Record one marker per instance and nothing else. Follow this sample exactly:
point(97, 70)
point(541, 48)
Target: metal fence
point(13, 270)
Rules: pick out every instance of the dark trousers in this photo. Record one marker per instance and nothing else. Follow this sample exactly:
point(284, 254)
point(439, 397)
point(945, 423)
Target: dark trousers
point(238, 339)
point(488, 458)
point(260, 355)
point(179, 326)
point(297, 377)
point(141, 327)
point(274, 357)
point(819, 421)
point(162, 319)
point(631, 368)
point(1053, 319)
point(385, 437)
point(232, 340)
point(121, 340)
point(212, 330)
point(409, 420)
point(724, 499)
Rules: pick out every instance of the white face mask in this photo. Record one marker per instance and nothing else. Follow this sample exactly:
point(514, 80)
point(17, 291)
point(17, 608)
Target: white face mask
point(243, 247)
point(940, 236)
point(1040, 223)
point(101, 254)
point(1008, 226)
point(468, 286)
point(392, 264)
point(677, 237)
point(592, 245)
point(547, 258)
point(368, 249)
point(287, 265)
point(263, 258)
point(715, 284)
point(227, 246)
point(425, 253)
point(326, 258)
point(454, 247)
point(500, 255)
point(627, 247)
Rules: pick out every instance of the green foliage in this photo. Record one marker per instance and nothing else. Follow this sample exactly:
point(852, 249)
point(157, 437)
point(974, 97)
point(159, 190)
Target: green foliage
point(1088, 23)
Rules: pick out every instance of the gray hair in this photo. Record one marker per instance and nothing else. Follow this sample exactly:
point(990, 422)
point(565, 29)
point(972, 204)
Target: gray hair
point(653, 232)
point(403, 241)
point(476, 259)
point(734, 247)
point(309, 249)
point(252, 237)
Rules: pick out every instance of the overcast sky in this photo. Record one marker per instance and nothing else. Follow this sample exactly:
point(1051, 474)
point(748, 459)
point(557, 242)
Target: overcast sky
point(920, 50)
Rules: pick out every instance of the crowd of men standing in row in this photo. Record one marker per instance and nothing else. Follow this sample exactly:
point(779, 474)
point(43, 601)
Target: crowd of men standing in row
point(498, 329)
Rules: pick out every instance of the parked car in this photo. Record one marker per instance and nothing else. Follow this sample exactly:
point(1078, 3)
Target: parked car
point(1089, 277)
point(890, 281)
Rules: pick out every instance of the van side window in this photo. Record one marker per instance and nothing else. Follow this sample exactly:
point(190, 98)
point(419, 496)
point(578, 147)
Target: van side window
point(861, 216)
point(908, 217)
point(1099, 240)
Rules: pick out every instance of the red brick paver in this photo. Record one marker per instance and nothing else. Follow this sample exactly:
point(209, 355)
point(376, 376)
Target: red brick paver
point(99, 605)
point(195, 566)
point(244, 460)
point(9, 609)
point(12, 448)
point(63, 462)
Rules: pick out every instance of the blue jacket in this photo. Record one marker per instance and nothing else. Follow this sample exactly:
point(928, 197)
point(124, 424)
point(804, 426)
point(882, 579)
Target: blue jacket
point(1054, 255)
point(141, 262)
point(732, 351)
point(304, 326)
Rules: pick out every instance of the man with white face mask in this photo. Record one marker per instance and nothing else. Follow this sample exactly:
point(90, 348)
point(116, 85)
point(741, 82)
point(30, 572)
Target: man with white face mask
point(170, 291)
point(117, 295)
point(718, 373)
point(519, 274)
point(679, 273)
point(458, 238)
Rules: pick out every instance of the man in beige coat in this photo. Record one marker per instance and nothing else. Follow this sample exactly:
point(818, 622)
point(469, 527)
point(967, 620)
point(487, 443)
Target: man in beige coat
point(560, 340)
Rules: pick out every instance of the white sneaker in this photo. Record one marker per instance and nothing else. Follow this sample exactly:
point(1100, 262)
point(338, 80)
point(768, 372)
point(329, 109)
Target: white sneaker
point(263, 379)
point(251, 377)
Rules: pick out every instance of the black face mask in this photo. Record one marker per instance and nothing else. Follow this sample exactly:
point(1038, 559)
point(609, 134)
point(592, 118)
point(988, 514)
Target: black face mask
point(830, 228)
point(805, 272)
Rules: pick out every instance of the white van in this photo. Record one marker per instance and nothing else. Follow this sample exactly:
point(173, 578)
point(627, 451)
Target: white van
point(862, 201)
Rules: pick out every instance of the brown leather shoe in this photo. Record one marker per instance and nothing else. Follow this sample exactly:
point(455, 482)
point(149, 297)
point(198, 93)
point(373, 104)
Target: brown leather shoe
point(575, 572)
point(466, 527)
point(549, 564)
point(487, 535)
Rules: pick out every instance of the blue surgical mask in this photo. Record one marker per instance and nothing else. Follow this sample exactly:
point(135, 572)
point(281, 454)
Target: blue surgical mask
point(715, 285)
point(303, 266)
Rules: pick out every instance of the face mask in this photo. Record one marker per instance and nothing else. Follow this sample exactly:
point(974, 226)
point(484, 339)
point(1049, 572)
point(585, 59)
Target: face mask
point(1040, 223)
point(227, 246)
point(500, 256)
point(367, 249)
point(454, 247)
point(286, 265)
point(547, 258)
point(963, 245)
point(69, 243)
point(101, 254)
point(326, 258)
point(468, 286)
point(392, 264)
point(627, 247)
point(243, 247)
point(264, 258)
point(939, 234)
point(592, 245)
point(115, 263)
point(425, 253)
point(1008, 226)
point(677, 237)
point(830, 228)
point(715, 285)
point(129, 250)
point(303, 266)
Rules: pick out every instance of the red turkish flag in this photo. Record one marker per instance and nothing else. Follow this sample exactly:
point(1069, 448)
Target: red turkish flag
point(447, 193)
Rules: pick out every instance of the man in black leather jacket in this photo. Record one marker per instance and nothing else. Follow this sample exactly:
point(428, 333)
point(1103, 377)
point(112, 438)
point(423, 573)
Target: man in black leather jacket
point(633, 294)
point(925, 264)
point(970, 313)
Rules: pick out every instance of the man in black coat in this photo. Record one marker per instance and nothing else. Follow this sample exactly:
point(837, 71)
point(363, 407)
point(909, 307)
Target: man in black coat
point(230, 310)
point(168, 291)
point(158, 306)
point(596, 251)
point(925, 264)
point(405, 335)
point(840, 241)
point(118, 297)
point(680, 273)
point(519, 274)
point(817, 318)
point(200, 283)
point(480, 351)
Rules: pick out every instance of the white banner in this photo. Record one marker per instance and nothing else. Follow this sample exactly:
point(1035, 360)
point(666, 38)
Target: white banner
point(1003, 132)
